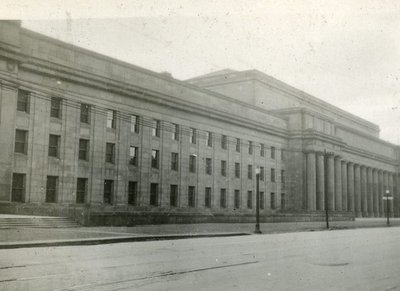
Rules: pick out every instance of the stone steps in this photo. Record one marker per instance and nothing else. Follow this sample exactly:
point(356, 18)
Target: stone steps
point(37, 222)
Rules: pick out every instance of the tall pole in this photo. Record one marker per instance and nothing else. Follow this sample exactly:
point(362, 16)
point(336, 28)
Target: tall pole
point(387, 208)
point(257, 230)
point(326, 187)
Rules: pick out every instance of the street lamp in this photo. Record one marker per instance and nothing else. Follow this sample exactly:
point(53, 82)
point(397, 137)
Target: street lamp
point(387, 198)
point(257, 230)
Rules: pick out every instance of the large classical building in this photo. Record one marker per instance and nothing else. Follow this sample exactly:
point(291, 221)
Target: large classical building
point(105, 142)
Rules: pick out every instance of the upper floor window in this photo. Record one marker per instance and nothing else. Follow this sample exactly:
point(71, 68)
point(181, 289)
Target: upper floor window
point(174, 161)
point(250, 171)
point(262, 173)
point(273, 175)
point(262, 150)
point(282, 154)
point(133, 155)
point(83, 149)
point(110, 152)
point(175, 133)
point(54, 144)
point(85, 113)
point(192, 163)
point(23, 101)
point(250, 147)
point(55, 107)
point(209, 138)
point(238, 145)
point(272, 152)
point(134, 123)
point(224, 142)
point(237, 170)
point(208, 166)
point(21, 141)
point(155, 159)
point(111, 118)
point(192, 137)
point(223, 168)
point(156, 128)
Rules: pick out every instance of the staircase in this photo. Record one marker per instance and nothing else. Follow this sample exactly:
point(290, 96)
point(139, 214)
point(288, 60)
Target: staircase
point(16, 221)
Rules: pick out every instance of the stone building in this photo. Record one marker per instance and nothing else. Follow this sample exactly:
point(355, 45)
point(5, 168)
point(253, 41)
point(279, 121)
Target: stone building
point(106, 142)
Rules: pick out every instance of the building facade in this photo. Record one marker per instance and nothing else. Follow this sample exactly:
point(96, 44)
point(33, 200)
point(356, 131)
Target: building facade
point(106, 142)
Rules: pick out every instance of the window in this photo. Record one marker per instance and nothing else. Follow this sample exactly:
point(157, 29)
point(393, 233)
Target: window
point(55, 107)
point(155, 130)
point(81, 190)
point(51, 189)
point(174, 161)
point(282, 154)
point(272, 175)
point(191, 197)
point(283, 179)
point(173, 198)
point(155, 159)
point(175, 133)
point(207, 197)
point(262, 202)
point(83, 149)
point(222, 202)
point(85, 111)
point(250, 171)
point(134, 123)
point(262, 150)
point(54, 144)
point(23, 101)
point(223, 168)
point(209, 138)
point(192, 163)
point(272, 152)
point(18, 188)
point(283, 201)
point(262, 174)
point(224, 142)
point(132, 193)
point(192, 137)
point(111, 118)
point(208, 166)
point(237, 170)
point(154, 194)
point(238, 145)
point(108, 191)
point(133, 155)
point(237, 199)
point(249, 199)
point(250, 147)
point(21, 141)
point(110, 150)
point(273, 206)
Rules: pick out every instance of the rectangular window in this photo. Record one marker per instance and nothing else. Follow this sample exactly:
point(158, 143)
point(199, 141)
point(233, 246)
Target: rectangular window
point(283, 201)
point(174, 161)
point(283, 179)
point(262, 201)
point(237, 199)
point(110, 152)
point(21, 141)
point(273, 175)
point(238, 145)
point(262, 150)
point(191, 196)
point(154, 194)
point(175, 133)
point(222, 202)
point(18, 188)
point(208, 166)
point(83, 149)
point(209, 138)
point(223, 168)
point(207, 197)
point(250, 171)
point(132, 193)
point(282, 154)
point(135, 123)
point(23, 101)
point(155, 159)
point(173, 198)
point(108, 191)
point(81, 190)
point(192, 137)
point(133, 155)
point(85, 113)
point(192, 163)
point(51, 189)
point(55, 107)
point(111, 118)
point(54, 144)
point(155, 130)
point(224, 142)
point(237, 170)
point(272, 152)
point(273, 204)
point(262, 174)
point(250, 199)
point(250, 147)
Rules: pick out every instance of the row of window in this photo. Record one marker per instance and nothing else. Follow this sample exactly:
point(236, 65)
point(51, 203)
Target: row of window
point(18, 193)
point(111, 115)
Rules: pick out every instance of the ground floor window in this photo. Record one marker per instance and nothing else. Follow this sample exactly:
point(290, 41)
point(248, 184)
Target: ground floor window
point(249, 199)
point(262, 202)
point(237, 199)
point(173, 198)
point(132, 193)
point(273, 202)
point(108, 191)
point(191, 196)
point(18, 188)
point(223, 198)
point(51, 189)
point(207, 197)
point(154, 194)
point(283, 201)
point(81, 190)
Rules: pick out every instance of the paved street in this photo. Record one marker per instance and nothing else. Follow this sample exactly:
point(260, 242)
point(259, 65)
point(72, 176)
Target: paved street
point(358, 259)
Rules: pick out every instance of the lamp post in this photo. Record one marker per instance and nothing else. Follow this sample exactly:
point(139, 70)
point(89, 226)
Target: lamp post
point(257, 230)
point(387, 198)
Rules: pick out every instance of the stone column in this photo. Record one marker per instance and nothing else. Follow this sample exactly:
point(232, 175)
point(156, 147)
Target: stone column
point(338, 184)
point(331, 182)
point(344, 185)
point(390, 180)
point(320, 182)
point(385, 187)
point(357, 190)
point(381, 190)
point(397, 203)
point(370, 191)
point(311, 181)
point(350, 187)
point(364, 207)
point(376, 195)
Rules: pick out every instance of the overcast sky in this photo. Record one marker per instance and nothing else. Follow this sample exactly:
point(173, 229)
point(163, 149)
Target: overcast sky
point(344, 52)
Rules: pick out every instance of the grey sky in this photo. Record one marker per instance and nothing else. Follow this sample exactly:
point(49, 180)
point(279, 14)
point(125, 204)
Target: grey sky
point(344, 52)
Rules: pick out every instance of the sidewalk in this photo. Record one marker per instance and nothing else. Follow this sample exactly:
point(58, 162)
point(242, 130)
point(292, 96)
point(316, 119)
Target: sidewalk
point(39, 237)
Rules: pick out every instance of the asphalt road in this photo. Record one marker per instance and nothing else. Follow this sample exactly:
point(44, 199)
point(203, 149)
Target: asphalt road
point(358, 259)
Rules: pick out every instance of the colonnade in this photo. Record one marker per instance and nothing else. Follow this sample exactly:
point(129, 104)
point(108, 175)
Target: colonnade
point(350, 186)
